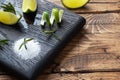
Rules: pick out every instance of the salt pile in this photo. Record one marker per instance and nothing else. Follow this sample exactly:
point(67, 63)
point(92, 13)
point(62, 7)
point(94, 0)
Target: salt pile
point(33, 49)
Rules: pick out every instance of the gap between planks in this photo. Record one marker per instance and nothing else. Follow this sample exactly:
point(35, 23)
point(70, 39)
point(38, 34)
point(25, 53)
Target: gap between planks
point(73, 76)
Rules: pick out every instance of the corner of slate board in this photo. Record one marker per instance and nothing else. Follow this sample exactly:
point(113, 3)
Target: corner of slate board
point(29, 70)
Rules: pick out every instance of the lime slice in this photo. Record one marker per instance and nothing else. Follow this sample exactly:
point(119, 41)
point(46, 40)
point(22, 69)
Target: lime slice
point(55, 12)
point(29, 6)
point(74, 3)
point(45, 18)
point(60, 15)
point(57, 15)
point(9, 18)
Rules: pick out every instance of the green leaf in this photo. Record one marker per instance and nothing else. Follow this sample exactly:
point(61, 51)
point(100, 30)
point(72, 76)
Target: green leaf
point(25, 42)
point(29, 39)
point(49, 31)
point(56, 37)
point(21, 46)
point(8, 8)
point(4, 42)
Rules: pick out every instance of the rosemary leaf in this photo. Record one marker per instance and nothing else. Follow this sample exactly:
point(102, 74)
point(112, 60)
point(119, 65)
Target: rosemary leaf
point(25, 42)
point(49, 31)
point(8, 8)
point(21, 46)
point(30, 39)
point(4, 42)
point(56, 37)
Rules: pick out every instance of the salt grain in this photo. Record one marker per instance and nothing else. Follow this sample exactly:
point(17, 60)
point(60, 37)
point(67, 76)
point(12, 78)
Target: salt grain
point(33, 49)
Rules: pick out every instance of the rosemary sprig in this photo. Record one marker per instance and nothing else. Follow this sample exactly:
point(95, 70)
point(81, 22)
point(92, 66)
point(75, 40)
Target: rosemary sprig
point(8, 8)
point(52, 32)
point(49, 31)
point(3, 42)
point(25, 42)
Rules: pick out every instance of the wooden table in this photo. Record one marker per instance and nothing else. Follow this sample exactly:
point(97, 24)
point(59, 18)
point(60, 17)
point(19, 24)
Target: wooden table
point(94, 53)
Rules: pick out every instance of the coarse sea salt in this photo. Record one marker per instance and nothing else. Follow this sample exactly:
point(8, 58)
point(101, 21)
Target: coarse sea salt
point(32, 51)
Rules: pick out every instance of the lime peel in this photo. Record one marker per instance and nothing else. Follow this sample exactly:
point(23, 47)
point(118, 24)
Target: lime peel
point(73, 4)
point(29, 6)
point(56, 16)
point(9, 18)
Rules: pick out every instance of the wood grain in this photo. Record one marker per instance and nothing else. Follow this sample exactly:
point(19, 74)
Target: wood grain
point(91, 1)
point(95, 6)
point(74, 76)
point(102, 23)
point(6, 77)
point(104, 1)
point(97, 47)
point(90, 53)
point(78, 76)
point(94, 53)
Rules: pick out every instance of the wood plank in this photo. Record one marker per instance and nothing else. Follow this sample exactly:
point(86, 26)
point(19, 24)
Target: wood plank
point(93, 7)
point(102, 23)
point(112, 1)
point(105, 1)
point(73, 76)
point(6, 77)
point(89, 52)
point(99, 8)
point(77, 76)
point(93, 51)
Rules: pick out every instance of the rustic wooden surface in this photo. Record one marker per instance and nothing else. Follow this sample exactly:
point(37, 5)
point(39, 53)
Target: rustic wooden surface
point(92, 54)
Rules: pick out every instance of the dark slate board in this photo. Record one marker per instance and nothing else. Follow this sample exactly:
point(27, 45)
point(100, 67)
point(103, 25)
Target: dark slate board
point(28, 69)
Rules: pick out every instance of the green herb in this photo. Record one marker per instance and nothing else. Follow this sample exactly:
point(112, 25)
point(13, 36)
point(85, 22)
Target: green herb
point(49, 31)
point(3, 42)
point(25, 42)
point(8, 8)
point(56, 16)
point(56, 37)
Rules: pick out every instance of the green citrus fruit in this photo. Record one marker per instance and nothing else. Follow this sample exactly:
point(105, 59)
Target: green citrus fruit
point(9, 18)
point(73, 4)
point(29, 6)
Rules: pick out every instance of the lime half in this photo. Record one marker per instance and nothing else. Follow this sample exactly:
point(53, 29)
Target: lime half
point(73, 4)
point(29, 6)
point(9, 18)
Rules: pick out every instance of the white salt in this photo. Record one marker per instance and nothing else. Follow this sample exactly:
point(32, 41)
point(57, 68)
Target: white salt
point(33, 49)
